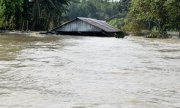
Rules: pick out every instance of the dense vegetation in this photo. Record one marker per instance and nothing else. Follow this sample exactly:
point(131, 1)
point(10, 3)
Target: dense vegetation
point(129, 15)
point(109, 10)
point(32, 14)
point(98, 9)
point(163, 15)
point(133, 16)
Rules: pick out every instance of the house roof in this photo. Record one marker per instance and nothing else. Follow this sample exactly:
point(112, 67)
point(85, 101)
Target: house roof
point(97, 23)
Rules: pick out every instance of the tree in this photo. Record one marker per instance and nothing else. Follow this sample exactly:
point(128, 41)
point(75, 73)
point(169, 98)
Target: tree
point(161, 12)
point(98, 9)
point(173, 7)
point(123, 6)
point(47, 13)
point(32, 14)
point(11, 12)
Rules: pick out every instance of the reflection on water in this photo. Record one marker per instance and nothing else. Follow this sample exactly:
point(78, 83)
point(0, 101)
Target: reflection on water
point(89, 72)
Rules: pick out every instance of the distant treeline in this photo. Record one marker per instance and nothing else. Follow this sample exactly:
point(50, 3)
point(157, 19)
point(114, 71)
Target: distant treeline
point(112, 11)
point(132, 16)
point(46, 14)
point(128, 15)
point(98, 9)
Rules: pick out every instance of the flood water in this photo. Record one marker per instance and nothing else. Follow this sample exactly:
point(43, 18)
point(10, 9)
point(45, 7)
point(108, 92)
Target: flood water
point(89, 72)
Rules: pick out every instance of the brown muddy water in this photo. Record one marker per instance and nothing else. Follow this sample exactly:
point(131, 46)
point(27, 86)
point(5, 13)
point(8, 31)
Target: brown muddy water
point(89, 72)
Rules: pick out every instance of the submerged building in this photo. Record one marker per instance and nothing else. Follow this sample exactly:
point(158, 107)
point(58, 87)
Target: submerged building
point(85, 26)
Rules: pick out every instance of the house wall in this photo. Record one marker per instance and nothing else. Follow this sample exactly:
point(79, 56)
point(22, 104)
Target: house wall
point(78, 26)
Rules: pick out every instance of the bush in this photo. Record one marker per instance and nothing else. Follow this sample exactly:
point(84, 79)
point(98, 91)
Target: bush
point(120, 34)
point(117, 23)
point(133, 26)
point(153, 35)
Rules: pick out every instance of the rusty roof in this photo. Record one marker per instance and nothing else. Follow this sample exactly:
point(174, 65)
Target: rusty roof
point(99, 24)
point(103, 25)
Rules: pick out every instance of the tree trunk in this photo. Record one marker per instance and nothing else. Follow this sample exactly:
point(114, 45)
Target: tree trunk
point(17, 18)
point(27, 25)
point(163, 30)
point(22, 26)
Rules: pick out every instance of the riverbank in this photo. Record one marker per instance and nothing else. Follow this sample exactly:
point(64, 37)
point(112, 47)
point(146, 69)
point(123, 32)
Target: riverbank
point(14, 32)
point(147, 34)
point(34, 33)
point(174, 34)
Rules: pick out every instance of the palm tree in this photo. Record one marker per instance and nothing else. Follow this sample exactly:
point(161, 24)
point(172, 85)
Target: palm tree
point(47, 13)
point(33, 14)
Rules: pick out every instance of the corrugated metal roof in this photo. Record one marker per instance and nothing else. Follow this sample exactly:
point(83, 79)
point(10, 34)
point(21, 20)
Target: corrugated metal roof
point(99, 24)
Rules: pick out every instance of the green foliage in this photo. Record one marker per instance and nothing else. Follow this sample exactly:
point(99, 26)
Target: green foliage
point(112, 11)
point(1, 14)
point(10, 12)
point(173, 7)
point(48, 13)
point(32, 14)
point(45, 14)
point(133, 26)
point(117, 22)
point(123, 6)
point(154, 35)
point(98, 9)
point(163, 13)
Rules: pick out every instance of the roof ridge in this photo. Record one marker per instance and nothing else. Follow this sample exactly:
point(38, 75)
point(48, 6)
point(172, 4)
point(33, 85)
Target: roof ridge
point(105, 24)
point(90, 19)
point(99, 24)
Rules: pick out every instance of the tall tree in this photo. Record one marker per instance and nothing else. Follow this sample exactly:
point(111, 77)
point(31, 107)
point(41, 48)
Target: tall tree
point(98, 9)
point(164, 13)
point(33, 14)
point(11, 12)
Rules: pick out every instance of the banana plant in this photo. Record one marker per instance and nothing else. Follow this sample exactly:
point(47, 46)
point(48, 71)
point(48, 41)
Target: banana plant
point(48, 12)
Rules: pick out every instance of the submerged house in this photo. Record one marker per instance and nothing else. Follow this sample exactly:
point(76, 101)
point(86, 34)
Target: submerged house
point(85, 26)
